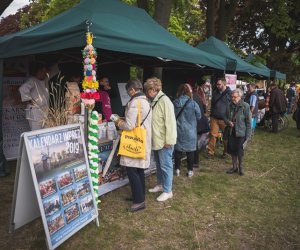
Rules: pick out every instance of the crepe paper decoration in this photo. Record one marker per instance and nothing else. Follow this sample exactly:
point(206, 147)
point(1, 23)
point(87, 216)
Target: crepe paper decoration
point(93, 155)
point(89, 83)
point(90, 94)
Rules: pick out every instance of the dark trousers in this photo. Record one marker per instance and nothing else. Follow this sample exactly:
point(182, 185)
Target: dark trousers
point(275, 118)
point(189, 156)
point(137, 183)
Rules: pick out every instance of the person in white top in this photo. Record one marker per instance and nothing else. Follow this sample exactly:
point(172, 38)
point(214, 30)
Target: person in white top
point(36, 94)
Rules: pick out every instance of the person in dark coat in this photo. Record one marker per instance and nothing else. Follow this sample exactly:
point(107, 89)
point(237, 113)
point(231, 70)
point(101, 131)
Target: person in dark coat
point(296, 110)
point(278, 105)
point(202, 125)
point(290, 95)
point(221, 98)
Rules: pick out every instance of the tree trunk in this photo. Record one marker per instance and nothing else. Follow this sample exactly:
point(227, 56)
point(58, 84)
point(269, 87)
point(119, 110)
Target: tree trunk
point(143, 4)
point(226, 14)
point(162, 12)
point(210, 18)
point(162, 15)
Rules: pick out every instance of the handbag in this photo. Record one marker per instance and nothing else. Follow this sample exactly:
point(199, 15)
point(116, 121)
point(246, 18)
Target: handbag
point(133, 142)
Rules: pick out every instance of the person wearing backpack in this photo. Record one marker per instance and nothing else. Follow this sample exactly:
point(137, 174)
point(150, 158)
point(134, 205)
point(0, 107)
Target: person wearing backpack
point(252, 99)
point(219, 103)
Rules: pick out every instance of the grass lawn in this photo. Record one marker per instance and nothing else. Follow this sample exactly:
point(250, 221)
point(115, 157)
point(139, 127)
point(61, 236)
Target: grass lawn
point(212, 210)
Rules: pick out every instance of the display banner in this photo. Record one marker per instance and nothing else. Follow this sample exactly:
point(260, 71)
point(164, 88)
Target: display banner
point(14, 121)
point(59, 169)
point(231, 81)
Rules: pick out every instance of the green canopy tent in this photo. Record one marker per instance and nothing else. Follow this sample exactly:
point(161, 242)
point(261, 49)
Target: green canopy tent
point(117, 27)
point(217, 47)
point(273, 73)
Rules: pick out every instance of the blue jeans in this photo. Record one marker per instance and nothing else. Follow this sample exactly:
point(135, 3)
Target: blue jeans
point(164, 168)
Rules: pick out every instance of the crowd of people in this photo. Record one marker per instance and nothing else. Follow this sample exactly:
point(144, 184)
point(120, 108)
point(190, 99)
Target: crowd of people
point(173, 129)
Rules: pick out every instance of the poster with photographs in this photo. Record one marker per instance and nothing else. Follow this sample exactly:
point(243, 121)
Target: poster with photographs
point(115, 172)
point(62, 180)
point(231, 80)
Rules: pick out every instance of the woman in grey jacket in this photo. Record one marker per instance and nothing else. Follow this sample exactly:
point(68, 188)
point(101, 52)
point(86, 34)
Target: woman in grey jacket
point(135, 167)
point(238, 121)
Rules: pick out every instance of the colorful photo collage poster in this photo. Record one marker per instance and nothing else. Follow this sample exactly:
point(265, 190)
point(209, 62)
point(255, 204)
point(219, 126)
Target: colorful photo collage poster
point(115, 171)
point(63, 181)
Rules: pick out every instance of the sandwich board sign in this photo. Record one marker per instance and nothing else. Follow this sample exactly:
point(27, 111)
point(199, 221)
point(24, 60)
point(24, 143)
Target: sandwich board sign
point(53, 181)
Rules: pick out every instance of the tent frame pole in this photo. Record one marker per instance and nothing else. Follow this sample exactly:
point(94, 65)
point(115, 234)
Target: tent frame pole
point(4, 168)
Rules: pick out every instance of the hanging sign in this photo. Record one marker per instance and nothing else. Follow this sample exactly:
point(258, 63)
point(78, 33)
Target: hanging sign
point(60, 179)
point(231, 81)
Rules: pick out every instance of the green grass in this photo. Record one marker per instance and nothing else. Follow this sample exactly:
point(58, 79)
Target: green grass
point(212, 210)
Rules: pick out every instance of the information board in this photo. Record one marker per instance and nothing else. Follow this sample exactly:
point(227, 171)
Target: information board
point(60, 174)
point(14, 121)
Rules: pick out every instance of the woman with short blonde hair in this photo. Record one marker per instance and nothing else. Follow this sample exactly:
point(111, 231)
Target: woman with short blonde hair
point(153, 83)
point(164, 135)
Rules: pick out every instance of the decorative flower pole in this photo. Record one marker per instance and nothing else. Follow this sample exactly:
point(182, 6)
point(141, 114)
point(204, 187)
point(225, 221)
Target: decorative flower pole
point(89, 95)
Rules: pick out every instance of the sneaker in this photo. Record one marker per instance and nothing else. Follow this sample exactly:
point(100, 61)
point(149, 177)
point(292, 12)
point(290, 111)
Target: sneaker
point(157, 188)
point(190, 173)
point(177, 172)
point(165, 196)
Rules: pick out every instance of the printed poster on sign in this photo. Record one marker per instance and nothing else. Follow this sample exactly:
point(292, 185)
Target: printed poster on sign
point(231, 81)
point(62, 181)
point(14, 121)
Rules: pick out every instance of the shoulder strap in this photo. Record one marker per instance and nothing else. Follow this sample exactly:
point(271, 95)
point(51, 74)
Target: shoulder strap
point(157, 101)
point(235, 114)
point(186, 103)
point(146, 116)
point(220, 97)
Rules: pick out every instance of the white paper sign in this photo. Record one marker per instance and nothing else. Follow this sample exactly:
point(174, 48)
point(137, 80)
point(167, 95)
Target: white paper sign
point(123, 93)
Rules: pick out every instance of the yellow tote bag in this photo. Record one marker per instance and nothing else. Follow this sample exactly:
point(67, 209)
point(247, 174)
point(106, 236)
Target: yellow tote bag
point(133, 142)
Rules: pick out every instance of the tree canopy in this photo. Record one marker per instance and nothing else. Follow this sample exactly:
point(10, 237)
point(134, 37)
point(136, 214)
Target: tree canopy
point(269, 29)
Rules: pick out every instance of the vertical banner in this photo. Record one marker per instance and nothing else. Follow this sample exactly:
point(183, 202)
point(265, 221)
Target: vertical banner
point(14, 121)
point(231, 81)
point(60, 173)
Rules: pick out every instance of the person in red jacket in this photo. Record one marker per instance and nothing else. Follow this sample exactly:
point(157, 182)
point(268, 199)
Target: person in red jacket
point(104, 105)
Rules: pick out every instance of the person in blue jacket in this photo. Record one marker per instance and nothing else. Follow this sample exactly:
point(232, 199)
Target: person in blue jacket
point(187, 113)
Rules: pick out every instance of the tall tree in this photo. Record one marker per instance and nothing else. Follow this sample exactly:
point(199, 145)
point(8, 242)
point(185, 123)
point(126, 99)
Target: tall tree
point(271, 29)
point(219, 16)
point(162, 12)
point(11, 23)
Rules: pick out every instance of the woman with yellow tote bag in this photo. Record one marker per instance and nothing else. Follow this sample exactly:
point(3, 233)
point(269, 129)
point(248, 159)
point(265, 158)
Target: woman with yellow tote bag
point(136, 138)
